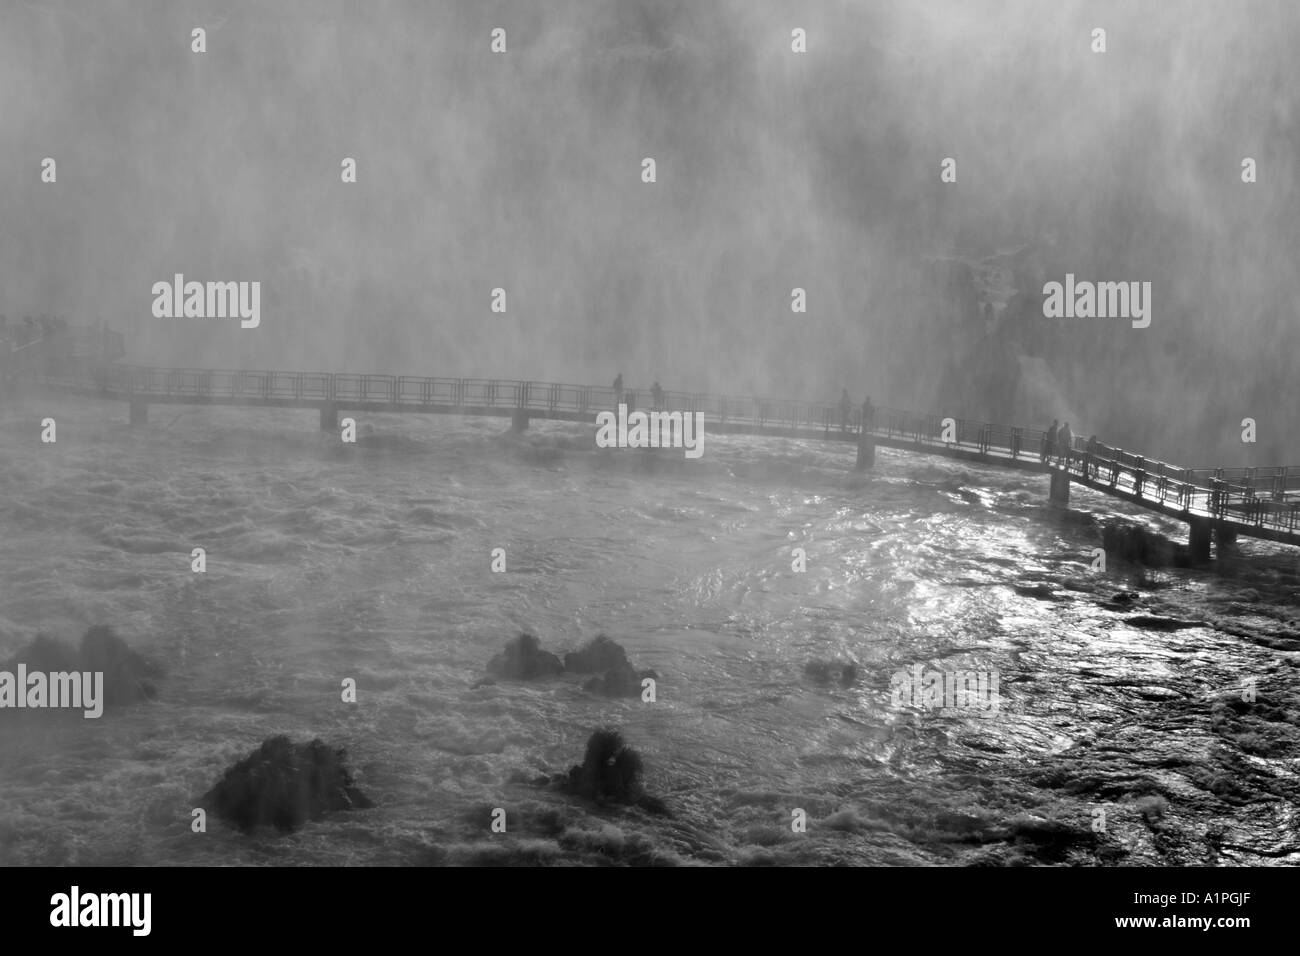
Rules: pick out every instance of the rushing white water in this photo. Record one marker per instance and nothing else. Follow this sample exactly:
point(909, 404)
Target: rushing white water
point(371, 562)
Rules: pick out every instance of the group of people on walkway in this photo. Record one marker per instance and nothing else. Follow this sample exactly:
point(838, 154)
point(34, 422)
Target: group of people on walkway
point(1060, 444)
point(656, 393)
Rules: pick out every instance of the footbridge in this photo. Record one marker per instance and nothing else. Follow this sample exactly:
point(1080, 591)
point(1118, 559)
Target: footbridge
point(1221, 503)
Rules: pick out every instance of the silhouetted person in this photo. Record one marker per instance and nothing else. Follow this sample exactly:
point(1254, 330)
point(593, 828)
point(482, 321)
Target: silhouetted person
point(1066, 440)
point(618, 389)
point(658, 395)
point(846, 406)
point(1049, 440)
point(868, 414)
point(1092, 457)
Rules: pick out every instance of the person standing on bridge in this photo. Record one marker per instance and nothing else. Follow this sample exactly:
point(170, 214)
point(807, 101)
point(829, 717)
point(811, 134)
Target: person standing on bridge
point(658, 394)
point(868, 415)
point(1049, 441)
point(1066, 441)
point(846, 406)
point(618, 389)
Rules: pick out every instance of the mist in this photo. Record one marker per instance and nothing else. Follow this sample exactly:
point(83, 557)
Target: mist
point(775, 170)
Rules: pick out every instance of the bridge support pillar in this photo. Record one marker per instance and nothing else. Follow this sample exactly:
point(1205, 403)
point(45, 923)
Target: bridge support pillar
point(139, 412)
point(1198, 540)
point(866, 452)
point(519, 420)
point(329, 418)
point(1060, 491)
point(1225, 540)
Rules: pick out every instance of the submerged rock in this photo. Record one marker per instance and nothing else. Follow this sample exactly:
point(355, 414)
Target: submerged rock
point(283, 784)
point(619, 682)
point(1154, 622)
point(523, 659)
point(843, 673)
point(128, 676)
point(1041, 590)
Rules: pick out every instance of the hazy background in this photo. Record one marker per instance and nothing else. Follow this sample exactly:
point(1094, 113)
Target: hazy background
point(775, 170)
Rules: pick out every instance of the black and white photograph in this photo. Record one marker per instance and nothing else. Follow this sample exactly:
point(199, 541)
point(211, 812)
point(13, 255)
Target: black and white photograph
point(726, 434)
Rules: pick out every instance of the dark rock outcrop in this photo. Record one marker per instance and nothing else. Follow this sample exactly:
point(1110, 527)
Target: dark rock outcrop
point(618, 678)
point(599, 656)
point(128, 677)
point(283, 784)
point(523, 659)
point(610, 771)
point(1133, 543)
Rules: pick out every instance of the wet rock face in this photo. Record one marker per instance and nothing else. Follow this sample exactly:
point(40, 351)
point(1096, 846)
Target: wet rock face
point(523, 659)
point(283, 784)
point(610, 770)
point(1131, 543)
point(128, 676)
